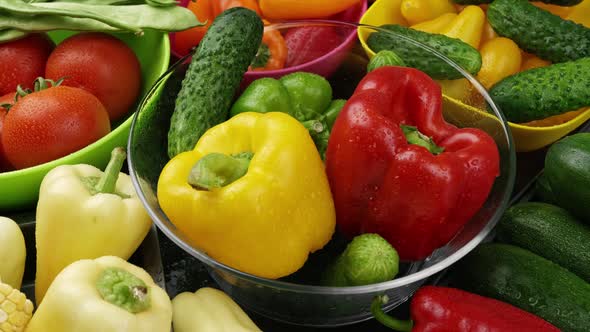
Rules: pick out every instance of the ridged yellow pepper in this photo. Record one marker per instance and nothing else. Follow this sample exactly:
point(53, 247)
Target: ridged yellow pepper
point(83, 213)
point(417, 11)
point(253, 194)
point(467, 26)
point(13, 253)
point(500, 57)
point(100, 295)
point(209, 310)
point(581, 13)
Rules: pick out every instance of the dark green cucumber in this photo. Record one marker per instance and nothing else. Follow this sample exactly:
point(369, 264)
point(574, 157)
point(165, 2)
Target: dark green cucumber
point(542, 92)
point(417, 57)
point(548, 231)
point(567, 171)
point(538, 31)
point(214, 75)
point(528, 281)
point(543, 192)
point(565, 3)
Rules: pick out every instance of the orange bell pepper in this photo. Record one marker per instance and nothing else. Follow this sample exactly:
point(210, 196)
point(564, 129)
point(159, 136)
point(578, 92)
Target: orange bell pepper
point(221, 5)
point(300, 9)
point(581, 13)
point(272, 54)
point(185, 40)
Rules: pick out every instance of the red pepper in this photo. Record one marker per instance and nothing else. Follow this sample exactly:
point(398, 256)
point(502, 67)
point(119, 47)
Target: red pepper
point(382, 183)
point(442, 309)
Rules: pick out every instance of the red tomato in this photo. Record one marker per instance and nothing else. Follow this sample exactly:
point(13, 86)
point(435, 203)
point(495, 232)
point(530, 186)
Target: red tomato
point(6, 99)
point(187, 39)
point(309, 43)
point(100, 64)
point(52, 123)
point(22, 61)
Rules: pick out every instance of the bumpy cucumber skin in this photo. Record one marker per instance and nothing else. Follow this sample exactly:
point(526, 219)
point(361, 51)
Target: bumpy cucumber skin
point(528, 281)
point(414, 56)
point(215, 73)
point(550, 232)
point(567, 171)
point(542, 92)
point(565, 3)
point(538, 31)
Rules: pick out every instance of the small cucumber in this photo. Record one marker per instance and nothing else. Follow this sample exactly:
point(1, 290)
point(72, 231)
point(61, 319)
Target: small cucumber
point(417, 57)
point(548, 231)
point(538, 31)
point(528, 281)
point(564, 3)
point(214, 75)
point(542, 92)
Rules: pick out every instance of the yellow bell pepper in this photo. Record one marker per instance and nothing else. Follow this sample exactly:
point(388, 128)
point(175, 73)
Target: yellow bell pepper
point(302, 9)
point(100, 295)
point(500, 57)
point(467, 26)
point(209, 310)
point(13, 253)
point(15, 309)
point(580, 13)
point(84, 213)
point(417, 11)
point(253, 194)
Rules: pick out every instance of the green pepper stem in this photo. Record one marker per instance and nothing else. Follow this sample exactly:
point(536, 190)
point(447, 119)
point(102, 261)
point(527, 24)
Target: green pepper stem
point(109, 178)
point(123, 289)
point(414, 136)
point(217, 170)
point(385, 319)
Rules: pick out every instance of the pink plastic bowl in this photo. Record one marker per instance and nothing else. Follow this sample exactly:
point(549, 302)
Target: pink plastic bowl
point(325, 65)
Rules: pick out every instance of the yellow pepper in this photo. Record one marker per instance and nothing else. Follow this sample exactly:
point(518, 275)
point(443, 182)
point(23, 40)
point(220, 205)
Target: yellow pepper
point(488, 33)
point(209, 310)
point(581, 13)
point(467, 26)
point(13, 253)
point(84, 213)
point(533, 62)
point(253, 194)
point(15, 309)
point(500, 57)
point(100, 295)
point(417, 11)
point(301, 9)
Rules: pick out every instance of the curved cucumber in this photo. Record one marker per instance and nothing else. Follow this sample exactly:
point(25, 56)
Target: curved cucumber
point(564, 3)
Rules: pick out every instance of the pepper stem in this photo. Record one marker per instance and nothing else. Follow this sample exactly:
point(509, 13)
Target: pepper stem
point(414, 136)
point(124, 290)
point(109, 178)
point(385, 319)
point(217, 170)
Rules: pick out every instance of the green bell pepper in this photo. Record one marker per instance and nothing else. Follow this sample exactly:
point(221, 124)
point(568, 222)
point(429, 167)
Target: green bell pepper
point(305, 96)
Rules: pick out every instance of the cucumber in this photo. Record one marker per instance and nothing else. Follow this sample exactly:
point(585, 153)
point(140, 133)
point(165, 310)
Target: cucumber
point(417, 57)
point(538, 31)
point(564, 3)
point(548, 231)
point(528, 281)
point(213, 76)
point(542, 92)
point(568, 174)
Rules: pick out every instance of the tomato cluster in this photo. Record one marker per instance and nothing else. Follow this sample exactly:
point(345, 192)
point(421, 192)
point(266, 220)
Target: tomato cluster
point(55, 100)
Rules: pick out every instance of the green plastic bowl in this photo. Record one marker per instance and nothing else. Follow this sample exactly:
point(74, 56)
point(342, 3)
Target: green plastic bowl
point(19, 189)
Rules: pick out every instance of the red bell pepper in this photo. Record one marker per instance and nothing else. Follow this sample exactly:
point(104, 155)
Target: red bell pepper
point(384, 181)
point(442, 309)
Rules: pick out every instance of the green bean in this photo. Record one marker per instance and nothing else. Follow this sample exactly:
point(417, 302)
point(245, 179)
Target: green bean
point(11, 34)
point(137, 17)
point(155, 3)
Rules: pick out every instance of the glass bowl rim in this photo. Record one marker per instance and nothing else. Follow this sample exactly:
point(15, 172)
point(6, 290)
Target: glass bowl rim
point(330, 290)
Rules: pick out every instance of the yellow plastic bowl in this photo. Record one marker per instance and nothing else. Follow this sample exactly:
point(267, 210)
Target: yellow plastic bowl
point(19, 189)
point(526, 137)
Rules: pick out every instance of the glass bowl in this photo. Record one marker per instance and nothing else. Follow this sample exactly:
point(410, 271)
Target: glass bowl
point(298, 299)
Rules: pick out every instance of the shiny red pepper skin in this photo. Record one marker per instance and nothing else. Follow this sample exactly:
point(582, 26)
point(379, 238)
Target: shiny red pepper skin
point(442, 309)
point(381, 184)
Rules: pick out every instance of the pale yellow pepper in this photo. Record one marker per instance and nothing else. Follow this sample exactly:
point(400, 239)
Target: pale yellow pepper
point(12, 253)
point(106, 294)
point(417, 11)
point(581, 13)
point(467, 26)
point(209, 310)
point(501, 58)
